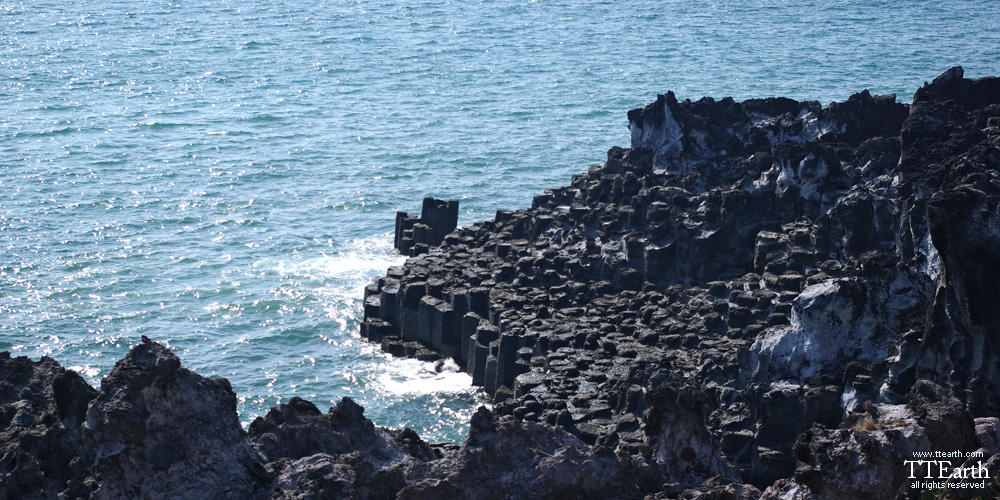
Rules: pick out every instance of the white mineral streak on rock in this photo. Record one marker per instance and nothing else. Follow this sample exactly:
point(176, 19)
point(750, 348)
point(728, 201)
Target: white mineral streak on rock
point(827, 325)
point(832, 323)
point(669, 136)
point(812, 173)
point(849, 399)
point(932, 261)
point(664, 139)
point(785, 179)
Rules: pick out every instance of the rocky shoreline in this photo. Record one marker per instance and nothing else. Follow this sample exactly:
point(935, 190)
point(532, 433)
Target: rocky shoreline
point(795, 263)
point(760, 299)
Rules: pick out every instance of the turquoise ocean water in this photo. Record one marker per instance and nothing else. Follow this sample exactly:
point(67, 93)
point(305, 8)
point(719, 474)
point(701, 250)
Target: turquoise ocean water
point(222, 176)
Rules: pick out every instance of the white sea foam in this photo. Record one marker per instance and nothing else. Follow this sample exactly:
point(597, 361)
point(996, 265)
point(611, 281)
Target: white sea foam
point(356, 261)
point(413, 377)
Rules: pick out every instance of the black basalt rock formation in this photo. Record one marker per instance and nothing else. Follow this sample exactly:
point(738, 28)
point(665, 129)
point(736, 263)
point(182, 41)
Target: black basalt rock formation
point(43, 444)
point(863, 457)
point(157, 430)
point(165, 431)
point(765, 299)
point(793, 262)
point(507, 458)
point(414, 235)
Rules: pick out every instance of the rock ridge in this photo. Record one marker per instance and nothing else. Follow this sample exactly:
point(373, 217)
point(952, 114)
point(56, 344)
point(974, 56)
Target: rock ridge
point(157, 430)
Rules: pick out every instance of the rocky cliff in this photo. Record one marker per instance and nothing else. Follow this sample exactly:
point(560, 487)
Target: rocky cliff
point(759, 299)
point(793, 263)
point(157, 430)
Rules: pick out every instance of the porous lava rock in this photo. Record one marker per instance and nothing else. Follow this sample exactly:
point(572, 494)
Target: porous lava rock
point(44, 448)
point(505, 458)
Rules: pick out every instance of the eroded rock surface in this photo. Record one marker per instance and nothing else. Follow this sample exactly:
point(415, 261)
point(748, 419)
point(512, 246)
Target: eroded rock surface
point(794, 262)
point(505, 458)
point(43, 446)
point(163, 431)
point(879, 452)
point(758, 299)
point(158, 430)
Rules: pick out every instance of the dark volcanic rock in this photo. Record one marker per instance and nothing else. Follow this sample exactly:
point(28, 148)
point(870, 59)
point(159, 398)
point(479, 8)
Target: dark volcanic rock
point(44, 450)
point(340, 454)
point(760, 295)
point(154, 430)
point(879, 452)
point(414, 235)
point(298, 429)
point(157, 430)
point(162, 431)
point(686, 452)
point(504, 458)
point(795, 262)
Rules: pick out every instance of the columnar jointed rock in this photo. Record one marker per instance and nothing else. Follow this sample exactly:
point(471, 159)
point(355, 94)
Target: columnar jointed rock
point(156, 430)
point(415, 235)
point(793, 261)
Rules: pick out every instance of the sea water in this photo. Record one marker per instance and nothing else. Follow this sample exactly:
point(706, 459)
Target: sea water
point(222, 175)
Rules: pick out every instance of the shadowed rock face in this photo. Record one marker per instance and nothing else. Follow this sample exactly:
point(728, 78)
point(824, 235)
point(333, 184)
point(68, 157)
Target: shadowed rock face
point(767, 292)
point(681, 444)
point(154, 430)
point(874, 453)
point(794, 262)
point(157, 430)
point(162, 430)
point(43, 445)
point(505, 458)
point(298, 429)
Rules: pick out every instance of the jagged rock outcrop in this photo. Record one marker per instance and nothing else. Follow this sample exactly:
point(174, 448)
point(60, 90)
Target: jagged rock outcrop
point(158, 430)
point(880, 452)
point(764, 299)
point(298, 429)
point(153, 430)
point(794, 262)
point(950, 228)
point(340, 454)
point(43, 446)
point(505, 458)
point(162, 431)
